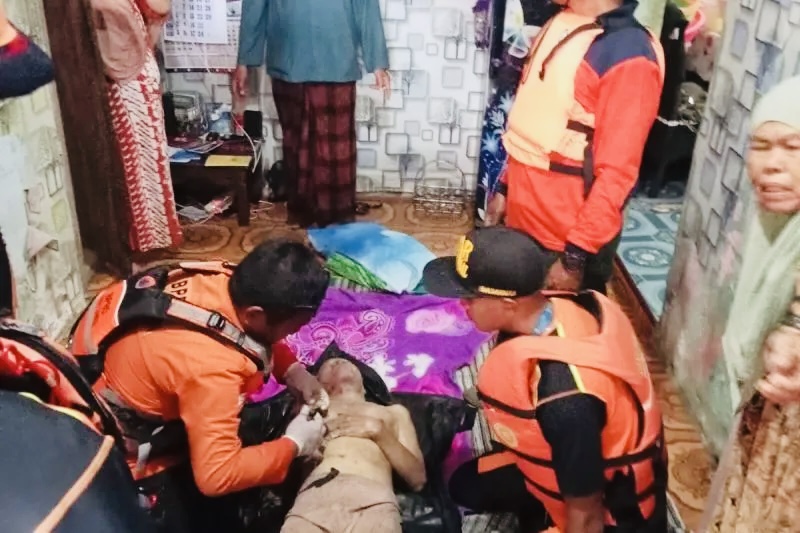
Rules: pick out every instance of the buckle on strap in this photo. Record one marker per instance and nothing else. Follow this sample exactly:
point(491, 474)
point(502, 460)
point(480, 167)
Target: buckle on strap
point(242, 339)
point(216, 321)
point(219, 327)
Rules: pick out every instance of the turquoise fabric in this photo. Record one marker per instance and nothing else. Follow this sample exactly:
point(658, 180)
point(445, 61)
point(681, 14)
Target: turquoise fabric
point(313, 40)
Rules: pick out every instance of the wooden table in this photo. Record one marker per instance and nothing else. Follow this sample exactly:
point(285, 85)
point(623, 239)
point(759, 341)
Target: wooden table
point(245, 182)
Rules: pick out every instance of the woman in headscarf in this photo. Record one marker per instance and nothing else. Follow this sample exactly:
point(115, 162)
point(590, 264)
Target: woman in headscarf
point(127, 32)
point(756, 485)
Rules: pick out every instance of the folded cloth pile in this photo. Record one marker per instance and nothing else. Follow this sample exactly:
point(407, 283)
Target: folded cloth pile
point(373, 256)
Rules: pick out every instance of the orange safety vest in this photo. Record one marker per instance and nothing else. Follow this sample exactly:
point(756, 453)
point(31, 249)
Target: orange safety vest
point(632, 445)
point(142, 300)
point(546, 118)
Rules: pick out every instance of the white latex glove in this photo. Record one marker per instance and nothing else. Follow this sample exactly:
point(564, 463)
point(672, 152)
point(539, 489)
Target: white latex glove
point(306, 434)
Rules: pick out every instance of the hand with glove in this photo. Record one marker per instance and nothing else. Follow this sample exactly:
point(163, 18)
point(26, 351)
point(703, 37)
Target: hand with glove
point(306, 387)
point(306, 432)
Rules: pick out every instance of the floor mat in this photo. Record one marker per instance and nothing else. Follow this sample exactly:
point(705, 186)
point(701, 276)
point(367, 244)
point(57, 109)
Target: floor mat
point(690, 466)
point(647, 246)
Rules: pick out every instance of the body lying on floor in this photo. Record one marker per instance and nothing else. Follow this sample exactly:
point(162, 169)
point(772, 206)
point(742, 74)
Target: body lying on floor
point(351, 489)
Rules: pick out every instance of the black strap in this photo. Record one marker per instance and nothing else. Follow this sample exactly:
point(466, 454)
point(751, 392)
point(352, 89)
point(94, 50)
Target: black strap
point(526, 414)
point(648, 492)
point(586, 170)
point(580, 29)
point(580, 127)
point(569, 170)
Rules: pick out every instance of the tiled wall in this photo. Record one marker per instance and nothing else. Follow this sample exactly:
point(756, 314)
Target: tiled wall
point(36, 203)
point(435, 111)
point(760, 46)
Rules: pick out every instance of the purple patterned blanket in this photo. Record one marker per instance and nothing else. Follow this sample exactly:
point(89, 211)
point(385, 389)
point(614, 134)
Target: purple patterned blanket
point(414, 342)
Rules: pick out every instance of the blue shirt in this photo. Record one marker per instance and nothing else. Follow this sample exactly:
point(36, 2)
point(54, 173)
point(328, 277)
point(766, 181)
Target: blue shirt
point(313, 40)
point(545, 320)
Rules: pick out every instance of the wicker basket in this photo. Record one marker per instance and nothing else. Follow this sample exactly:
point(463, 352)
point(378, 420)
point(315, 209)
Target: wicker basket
point(441, 195)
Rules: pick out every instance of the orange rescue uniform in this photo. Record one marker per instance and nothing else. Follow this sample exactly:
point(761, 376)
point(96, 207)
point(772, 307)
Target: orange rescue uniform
point(172, 372)
point(587, 99)
point(606, 362)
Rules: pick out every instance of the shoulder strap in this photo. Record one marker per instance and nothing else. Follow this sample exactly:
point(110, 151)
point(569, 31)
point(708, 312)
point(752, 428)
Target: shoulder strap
point(141, 299)
point(210, 322)
point(217, 326)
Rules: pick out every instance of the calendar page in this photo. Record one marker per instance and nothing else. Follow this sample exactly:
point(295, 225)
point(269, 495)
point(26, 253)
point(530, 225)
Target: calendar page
point(199, 56)
point(197, 21)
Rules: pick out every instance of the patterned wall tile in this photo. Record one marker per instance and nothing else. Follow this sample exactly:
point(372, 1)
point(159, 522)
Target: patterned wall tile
point(50, 280)
point(438, 82)
point(761, 47)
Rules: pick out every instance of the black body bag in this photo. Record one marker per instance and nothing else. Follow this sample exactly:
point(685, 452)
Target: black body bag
point(437, 420)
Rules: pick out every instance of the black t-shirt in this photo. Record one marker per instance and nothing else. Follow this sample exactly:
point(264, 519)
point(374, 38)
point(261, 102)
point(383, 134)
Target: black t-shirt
point(572, 426)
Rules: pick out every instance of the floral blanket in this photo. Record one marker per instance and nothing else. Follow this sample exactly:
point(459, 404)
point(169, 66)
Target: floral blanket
point(415, 342)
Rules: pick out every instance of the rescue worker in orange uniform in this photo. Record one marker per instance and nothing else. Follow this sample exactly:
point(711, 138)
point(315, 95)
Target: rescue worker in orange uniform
point(177, 350)
point(567, 396)
point(586, 101)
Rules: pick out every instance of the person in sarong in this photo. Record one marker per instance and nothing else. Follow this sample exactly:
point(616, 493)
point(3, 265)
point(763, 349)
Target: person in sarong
point(127, 32)
point(312, 51)
point(755, 487)
point(351, 489)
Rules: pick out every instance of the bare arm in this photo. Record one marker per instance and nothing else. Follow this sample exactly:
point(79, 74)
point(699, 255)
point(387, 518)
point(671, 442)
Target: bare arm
point(585, 515)
point(401, 448)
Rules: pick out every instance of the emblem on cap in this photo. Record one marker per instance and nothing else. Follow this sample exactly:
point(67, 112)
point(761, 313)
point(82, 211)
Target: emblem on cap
point(465, 248)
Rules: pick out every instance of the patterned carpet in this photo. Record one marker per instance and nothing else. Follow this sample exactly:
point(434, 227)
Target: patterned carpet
point(648, 242)
point(689, 463)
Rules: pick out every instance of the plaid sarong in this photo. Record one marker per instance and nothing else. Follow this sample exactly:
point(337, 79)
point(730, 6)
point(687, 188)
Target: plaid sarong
point(319, 150)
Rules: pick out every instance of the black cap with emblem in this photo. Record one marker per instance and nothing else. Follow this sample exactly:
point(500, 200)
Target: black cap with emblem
point(490, 262)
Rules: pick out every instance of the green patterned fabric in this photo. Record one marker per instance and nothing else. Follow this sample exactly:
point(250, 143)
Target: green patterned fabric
point(342, 266)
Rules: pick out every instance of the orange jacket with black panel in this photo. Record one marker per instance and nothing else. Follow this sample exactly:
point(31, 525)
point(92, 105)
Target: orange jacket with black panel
point(607, 363)
point(191, 363)
point(585, 105)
